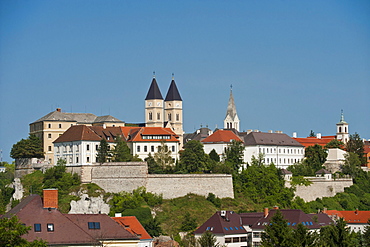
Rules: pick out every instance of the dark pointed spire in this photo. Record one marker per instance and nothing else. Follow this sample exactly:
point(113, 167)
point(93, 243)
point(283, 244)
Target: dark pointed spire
point(154, 92)
point(173, 92)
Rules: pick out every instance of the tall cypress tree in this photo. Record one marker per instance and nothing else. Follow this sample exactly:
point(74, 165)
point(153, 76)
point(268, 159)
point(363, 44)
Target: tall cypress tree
point(121, 152)
point(103, 152)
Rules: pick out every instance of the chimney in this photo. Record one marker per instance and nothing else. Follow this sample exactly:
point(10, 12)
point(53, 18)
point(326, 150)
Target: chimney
point(318, 135)
point(275, 207)
point(50, 198)
point(356, 212)
point(118, 215)
point(59, 109)
point(294, 134)
point(265, 212)
point(324, 210)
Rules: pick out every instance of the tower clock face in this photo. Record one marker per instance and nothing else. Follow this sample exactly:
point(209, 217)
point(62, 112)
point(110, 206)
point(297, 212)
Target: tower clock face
point(177, 105)
point(158, 104)
point(150, 104)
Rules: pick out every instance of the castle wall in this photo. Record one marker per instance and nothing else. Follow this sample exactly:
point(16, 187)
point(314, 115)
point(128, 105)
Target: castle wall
point(176, 185)
point(321, 187)
point(116, 177)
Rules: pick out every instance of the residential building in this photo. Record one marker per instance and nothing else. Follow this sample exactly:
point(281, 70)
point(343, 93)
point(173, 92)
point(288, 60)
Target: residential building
point(80, 143)
point(131, 224)
point(356, 220)
point(219, 140)
point(59, 229)
point(199, 135)
point(54, 124)
point(245, 229)
point(227, 227)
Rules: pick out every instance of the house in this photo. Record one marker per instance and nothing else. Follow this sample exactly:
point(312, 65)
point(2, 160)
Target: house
point(80, 143)
point(59, 229)
point(49, 127)
point(219, 140)
point(245, 229)
point(131, 224)
point(277, 148)
point(227, 227)
point(356, 220)
point(198, 135)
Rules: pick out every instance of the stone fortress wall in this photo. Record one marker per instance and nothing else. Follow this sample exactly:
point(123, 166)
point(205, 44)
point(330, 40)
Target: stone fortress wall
point(322, 187)
point(122, 176)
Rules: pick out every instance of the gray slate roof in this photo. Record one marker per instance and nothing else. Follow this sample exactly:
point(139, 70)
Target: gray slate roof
point(231, 108)
point(173, 92)
point(83, 118)
point(274, 139)
point(154, 92)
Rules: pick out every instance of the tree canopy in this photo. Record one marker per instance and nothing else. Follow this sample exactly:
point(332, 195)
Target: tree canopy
point(104, 153)
point(121, 152)
point(193, 158)
point(28, 148)
point(356, 145)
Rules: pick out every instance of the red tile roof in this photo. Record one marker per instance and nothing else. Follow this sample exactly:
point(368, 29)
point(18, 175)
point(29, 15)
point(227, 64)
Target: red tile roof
point(223, 136)
point(136, 134)
point(131, 224)
point(311, 141)
point(352, 217)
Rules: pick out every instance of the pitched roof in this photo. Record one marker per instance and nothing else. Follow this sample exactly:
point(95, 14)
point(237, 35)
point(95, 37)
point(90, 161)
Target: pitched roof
point(198, 135)
point(293, 216)
point(146, 134)
point(222, 136)
point(231, 223)
point(80, 118)
point(109, 229)
point(173, 92)
point(322, 171)
point(31, 211)
point(154, 92)
point(231, 108)
point(311, 141)
point(351, 217)
point(78, 133)
point(132, 224)
point(270, 139)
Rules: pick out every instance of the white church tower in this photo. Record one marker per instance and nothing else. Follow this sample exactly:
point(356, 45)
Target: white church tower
point(231, 120)
point(342, 129)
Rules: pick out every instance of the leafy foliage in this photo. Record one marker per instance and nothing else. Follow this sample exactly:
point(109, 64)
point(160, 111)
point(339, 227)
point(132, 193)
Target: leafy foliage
point(11, 230)
point(356, 145)
point(188, 224)
point(234, 155)
point(208, 239)
point(104, 153)
point(215, 200)
point(5, 191)
point(121, 152)
point(163, 156)
point(28, 148)
point(192, 158)
point(335, 143)
point(278, 233)
point(214, 156)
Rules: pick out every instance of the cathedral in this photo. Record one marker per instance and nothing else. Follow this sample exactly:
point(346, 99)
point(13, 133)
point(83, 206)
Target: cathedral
point(164, 113)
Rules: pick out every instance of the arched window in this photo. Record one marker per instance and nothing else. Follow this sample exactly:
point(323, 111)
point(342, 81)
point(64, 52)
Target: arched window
point(169, 117)
point(150, 116)
point(158, 116)
point(177, 117)
point(345, 129)
point(340, 129)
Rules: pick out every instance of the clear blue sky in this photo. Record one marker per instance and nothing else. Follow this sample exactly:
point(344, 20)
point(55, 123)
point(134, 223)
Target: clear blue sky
point(293, 64)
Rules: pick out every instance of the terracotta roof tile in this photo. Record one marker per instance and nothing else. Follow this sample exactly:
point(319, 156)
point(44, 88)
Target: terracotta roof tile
point(222, 136)
point(311, 141)
point(352, 217)
point(131, 224)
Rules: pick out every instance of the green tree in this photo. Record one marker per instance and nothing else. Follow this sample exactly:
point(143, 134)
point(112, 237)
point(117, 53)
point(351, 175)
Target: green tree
point(303, 237)
point(315, 157)
point(11, 230)
point(352, 164)
point(234, 154)
point(366, 234)
point(193, 158)
point(153, 167)
point(153, 227)
point(121, 152)
point(335, 143)
point(189, 223)
point(163, 156)
point(208, 239)
point(6, 192)
point(215, 200)
point(103, 152)
point(312, 134)
point(336, 235)
point(277, 233)
point(214, 156)
point(28, 148)
point(356, 145)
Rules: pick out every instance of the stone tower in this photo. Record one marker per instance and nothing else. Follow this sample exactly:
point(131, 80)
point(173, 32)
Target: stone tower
point(173, 110)
point(342, 129)
point(154, 106)
point(231, 120)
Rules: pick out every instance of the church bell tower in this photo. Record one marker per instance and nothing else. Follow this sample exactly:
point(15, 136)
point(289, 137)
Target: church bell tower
point(231, 120)
point(342, 129)
point(154, 106)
